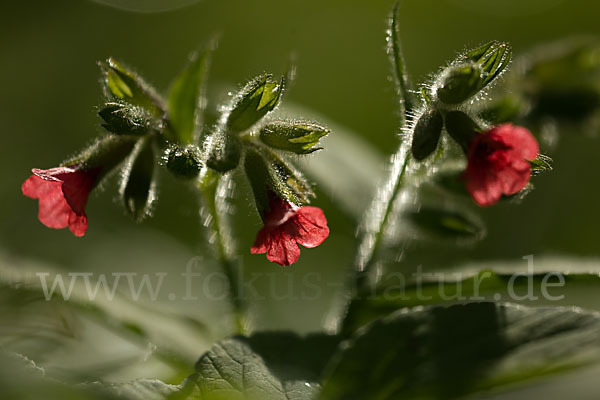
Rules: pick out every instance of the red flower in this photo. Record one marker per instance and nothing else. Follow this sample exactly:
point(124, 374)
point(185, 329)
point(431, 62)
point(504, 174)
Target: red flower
point(498, 163)
point(63, 193)
point(286, 226)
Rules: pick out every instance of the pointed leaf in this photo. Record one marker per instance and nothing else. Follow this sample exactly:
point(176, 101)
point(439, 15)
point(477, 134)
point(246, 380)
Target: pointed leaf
point(186, 98)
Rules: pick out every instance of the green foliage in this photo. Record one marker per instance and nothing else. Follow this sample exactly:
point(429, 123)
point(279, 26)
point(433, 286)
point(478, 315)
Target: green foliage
point(397, 292)
point(442, 223)
point(186, 98)
point(265, 366)
point(137, 189)
point(449, 352)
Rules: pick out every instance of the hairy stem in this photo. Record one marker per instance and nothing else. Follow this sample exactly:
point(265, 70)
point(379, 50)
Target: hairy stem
point(399, 66)
point(215, 190)
point(377, 218)
point(373, 228)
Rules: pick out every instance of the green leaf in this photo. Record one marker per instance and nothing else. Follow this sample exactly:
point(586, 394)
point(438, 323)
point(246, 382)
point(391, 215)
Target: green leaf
point(116, 319)
point(125, 85)
point(450, 352)
point(143, 389)
point(21, 378)
point(138, 187)
point(443, 223)
point(186, 98)
point(399, 291)
point(265, 366)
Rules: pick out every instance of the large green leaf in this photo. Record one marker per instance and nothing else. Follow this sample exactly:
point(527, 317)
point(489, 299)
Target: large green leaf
point(265, 366)
point(504, 281)
point(21, 378)
point(448, 352)
point(37, 321)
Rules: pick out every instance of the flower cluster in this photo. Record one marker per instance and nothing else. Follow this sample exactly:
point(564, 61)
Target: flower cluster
point(499, 158)
point(142, 125)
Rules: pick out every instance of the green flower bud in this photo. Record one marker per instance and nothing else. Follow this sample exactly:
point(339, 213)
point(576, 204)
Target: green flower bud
point(122, 84)
point(426, 134)
point(492, 57)
point(125, 119)
point(137, 187)
point(256, 99)
point(295, 136)
point(266, 171)
point(460, 82)
point(472, 72)
point(461, 128)
point(184, 162)
point(224, 151)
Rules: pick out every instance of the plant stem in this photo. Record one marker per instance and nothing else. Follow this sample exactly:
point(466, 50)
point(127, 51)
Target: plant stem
point(214, 190)
point(378, 215)
point(400, 75)
point(377, 219)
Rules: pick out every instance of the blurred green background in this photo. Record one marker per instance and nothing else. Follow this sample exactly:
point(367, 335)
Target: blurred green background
point(50, 91)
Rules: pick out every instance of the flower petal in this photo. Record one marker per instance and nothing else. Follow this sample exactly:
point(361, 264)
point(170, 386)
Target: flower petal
point(76, 187)
point(485, 191)
point(311, 226)
point(54, 211)
point(78, 224)
point(283, 250)
point(523, 143)
point(262, 242)
point(63, 193)
point(514, 177)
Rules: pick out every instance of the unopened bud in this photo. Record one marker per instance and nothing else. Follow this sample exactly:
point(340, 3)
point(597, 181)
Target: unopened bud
point(256, 99)
point(184, 162)
point(426, 134)
point(295, 136)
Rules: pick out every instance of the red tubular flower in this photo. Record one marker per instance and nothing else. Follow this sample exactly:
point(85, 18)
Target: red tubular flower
point(63, 193)
point(498, 163)
point(286, 226)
